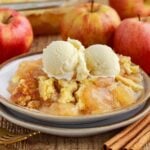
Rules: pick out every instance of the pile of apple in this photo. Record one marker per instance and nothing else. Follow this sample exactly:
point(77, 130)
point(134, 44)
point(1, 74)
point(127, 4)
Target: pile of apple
point(16, 34)
point(93, 23)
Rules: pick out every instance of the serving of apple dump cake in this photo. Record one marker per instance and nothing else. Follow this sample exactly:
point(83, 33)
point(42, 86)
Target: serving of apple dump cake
point(79, 87)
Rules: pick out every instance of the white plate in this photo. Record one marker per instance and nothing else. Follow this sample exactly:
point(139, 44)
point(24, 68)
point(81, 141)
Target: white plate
point(10, 67)
point(70, 132)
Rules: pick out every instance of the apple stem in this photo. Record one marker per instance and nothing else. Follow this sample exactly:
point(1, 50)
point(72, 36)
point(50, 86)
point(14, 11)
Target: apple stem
point(92, 5)
point(6, 21)
point(139, 17)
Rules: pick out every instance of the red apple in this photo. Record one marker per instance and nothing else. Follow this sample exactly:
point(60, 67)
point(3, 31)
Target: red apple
point(132, 38)
point(131, 8)
point(90, 25)
point(16, 34)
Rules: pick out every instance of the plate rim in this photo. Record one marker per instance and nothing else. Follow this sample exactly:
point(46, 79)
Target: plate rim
point(43, 116)
point(72, 132)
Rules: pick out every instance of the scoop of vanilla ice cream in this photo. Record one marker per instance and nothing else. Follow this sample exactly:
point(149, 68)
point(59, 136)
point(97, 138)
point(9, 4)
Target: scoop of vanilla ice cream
point(60, 59)
point(102, 61)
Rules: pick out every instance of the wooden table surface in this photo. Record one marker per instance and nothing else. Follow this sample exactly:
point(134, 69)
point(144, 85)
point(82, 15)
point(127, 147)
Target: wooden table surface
point(50, 142)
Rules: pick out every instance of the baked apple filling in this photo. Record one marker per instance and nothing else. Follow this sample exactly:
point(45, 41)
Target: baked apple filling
point(31, 87)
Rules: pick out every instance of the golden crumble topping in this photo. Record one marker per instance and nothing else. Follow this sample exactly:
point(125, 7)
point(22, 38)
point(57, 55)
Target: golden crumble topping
point(46, 88)
point(67, 89)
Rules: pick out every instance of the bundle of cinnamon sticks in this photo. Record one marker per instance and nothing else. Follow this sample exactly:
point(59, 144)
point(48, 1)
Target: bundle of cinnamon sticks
point(133, 137)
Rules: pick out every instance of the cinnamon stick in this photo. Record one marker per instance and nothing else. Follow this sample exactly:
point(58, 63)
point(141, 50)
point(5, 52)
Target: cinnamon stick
point(141, 142)
point(121, 134)
point(126, 135)
point(136, 139)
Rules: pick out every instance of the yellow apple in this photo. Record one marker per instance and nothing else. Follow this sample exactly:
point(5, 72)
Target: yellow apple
point(90, 25)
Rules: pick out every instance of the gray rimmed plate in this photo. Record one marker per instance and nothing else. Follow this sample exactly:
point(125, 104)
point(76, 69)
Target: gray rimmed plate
point(90, 129)
point(99, 123)
point(9, 68)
